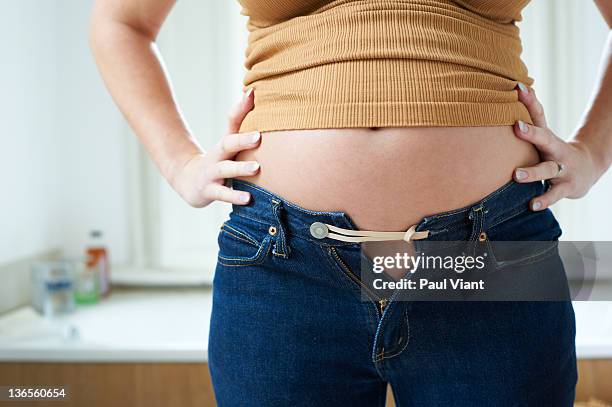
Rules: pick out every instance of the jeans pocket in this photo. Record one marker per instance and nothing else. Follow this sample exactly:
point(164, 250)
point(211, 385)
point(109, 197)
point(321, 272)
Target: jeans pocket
point(242, 243)
point(526, 225)
point(524, 239)
point(516, 254)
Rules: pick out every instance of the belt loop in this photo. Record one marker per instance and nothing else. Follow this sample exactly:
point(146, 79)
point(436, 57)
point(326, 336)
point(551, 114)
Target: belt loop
point(477, 215)
point(280, 249)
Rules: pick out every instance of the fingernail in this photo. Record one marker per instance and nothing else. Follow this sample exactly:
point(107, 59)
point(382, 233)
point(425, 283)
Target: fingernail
point(254, 137)
point(245, 197)
point(250, 138)
point(247, 94)
point(536, 205)
point(252, 167)
point(520, 174)
point(522, 126)
point(523, 88)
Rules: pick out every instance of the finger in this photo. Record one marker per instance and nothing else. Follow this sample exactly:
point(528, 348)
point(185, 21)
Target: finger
point(550, 197)
point(225, 194)
point(528, 97)
point(231, 144)
point(539, 172)
point(240, 110)
point(543, 139)
point(231, 169)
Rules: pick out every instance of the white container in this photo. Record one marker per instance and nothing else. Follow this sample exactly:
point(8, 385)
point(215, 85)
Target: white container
point(53, 287)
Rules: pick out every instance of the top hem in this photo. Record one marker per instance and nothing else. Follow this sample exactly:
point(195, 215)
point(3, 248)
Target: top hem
point(288, 117)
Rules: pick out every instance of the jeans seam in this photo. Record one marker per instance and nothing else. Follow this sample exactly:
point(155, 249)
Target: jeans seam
point(514, 212)
point(526, 261)
point(469, 207)
point(259, 257)
point(290, 204)
point(477, 217)
point(466, 209)
point(383, 355)
point(351, 284)
point(250, 218)
point(348, 273)
point(239, 235)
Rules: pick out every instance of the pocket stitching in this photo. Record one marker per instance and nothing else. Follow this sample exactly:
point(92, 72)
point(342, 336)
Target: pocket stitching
point(257, 258)
point(397, 351)
point(242, 215)
point(521, 209)
point(239, 234)
point(531, 259)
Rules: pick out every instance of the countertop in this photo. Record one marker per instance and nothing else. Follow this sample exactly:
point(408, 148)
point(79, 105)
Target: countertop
point(171, 325)
point(138, 325)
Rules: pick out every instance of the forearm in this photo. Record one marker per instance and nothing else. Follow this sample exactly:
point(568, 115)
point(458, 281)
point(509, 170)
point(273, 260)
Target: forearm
point(595, 127)
point(133, 71)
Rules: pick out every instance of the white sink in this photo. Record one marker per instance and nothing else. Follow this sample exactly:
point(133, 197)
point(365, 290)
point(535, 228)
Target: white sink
point(144, 325)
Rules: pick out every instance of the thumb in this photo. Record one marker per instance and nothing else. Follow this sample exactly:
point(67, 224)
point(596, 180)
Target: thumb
point(240, 110)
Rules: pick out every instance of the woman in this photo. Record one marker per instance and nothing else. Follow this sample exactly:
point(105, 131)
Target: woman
point(379, 116)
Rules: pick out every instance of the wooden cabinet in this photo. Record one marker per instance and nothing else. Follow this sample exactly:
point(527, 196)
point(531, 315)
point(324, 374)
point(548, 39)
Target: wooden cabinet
point(595, 380)
point(117, 384)
point(189, 385)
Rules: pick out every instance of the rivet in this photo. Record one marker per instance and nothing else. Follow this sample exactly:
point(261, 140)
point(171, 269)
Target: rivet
point(482, 237)
point(272, 230)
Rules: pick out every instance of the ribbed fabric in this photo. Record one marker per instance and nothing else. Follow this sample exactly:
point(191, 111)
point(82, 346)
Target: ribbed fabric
point(383, 63)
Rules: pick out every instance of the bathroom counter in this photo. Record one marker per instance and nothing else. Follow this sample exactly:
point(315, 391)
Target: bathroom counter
point(171, 325)
point(137, 325)
point(593, 329)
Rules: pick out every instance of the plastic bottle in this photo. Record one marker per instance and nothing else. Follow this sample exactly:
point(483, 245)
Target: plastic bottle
point(97, 257)
point(87, 283)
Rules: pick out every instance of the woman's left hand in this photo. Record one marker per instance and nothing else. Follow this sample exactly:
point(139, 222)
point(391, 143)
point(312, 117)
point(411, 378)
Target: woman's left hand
point(568, 166)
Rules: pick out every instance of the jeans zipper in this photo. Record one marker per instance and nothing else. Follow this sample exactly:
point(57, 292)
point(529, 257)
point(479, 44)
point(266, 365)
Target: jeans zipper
point(382, 302)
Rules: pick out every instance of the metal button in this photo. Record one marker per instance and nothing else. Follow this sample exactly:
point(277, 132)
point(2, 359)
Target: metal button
point(319, 230)
point(272, 230)
point(482, 237)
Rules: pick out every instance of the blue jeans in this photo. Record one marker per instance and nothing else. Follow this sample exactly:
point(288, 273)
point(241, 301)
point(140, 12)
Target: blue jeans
point(289, 326)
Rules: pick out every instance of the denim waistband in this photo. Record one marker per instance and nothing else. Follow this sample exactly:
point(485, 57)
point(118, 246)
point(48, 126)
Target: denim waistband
point(268, 208)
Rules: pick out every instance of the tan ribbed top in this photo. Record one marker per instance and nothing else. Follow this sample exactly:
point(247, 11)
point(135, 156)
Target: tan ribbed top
point(383, 63)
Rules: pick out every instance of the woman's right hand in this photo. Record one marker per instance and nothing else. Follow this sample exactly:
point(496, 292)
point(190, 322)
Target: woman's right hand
point(202, 179)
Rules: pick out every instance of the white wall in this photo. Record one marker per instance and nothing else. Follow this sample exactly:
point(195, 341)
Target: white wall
point(93, 142)
point(203, 46)
point(62, 157)
point(62, 152)
point(563, 42)
point(30, 147)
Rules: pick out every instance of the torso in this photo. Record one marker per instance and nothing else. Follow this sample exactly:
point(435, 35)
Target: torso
point(388, 178)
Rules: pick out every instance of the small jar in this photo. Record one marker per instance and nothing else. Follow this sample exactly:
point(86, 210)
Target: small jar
point(53, 287)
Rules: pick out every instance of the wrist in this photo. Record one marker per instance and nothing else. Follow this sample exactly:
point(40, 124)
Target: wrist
point(174, 163)
point(595, 154)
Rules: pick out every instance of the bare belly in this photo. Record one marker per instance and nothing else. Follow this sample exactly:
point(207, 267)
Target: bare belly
point(388, 178)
